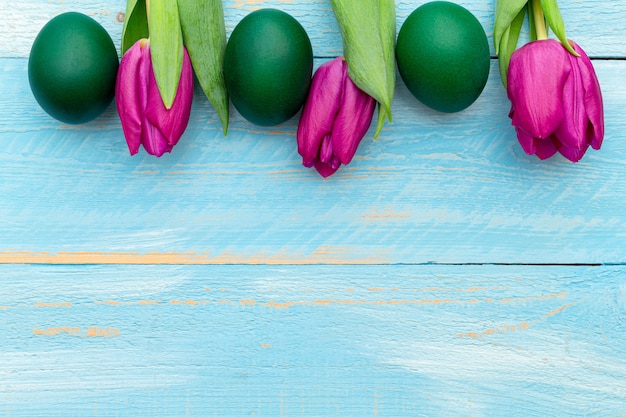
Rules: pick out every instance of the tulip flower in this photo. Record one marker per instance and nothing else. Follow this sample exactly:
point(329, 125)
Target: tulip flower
point(556, 100)
point(199, 26)
point(335, 117)
point(145, 118)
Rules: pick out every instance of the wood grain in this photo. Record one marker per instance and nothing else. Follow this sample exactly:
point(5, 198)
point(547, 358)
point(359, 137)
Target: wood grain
point(326, 340)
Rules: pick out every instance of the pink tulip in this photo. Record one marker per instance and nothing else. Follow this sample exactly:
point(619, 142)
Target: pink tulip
point(335, 117)
point(145, 119)
point(556, 100)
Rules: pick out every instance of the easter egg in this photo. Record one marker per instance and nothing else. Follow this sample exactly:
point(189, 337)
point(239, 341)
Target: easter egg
point(72, 68)
point(443, 56)
point(268, 65)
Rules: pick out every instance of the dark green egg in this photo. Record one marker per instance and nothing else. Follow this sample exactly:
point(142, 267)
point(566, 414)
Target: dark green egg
point(443, 56)
point(72, 68)
point(268, 65)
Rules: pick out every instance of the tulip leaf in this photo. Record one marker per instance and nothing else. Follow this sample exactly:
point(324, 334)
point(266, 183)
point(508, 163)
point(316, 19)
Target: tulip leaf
point(508, 43)
point(555, 21)
point(388, 35)
point(166, 47)
point(204, 35)
point(506, 12)
point(368, 30)
point(531, 23)
point(135, 24)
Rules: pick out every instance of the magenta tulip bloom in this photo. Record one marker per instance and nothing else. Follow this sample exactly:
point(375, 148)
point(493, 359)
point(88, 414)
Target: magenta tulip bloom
point(335, 117)
point(145, 119)
point(556, 100)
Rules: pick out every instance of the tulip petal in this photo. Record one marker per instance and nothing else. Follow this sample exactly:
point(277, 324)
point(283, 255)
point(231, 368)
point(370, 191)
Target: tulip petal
point(327, 153)
point(324, 169)
point(573, 131)
point(527, 141)
point(582, 102)
point(537, 72)
point(153, 140)
point(543, 148)
point(320, 109)
point(131, 93)
point(327, 163)
point(593, 100)
point(546, 148)
point(326, 150)
point(574, 154)
point(168, 125)
point(353, 120)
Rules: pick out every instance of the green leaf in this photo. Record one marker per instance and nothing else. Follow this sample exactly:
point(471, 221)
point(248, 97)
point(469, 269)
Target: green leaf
point(555, 21)
point(135, 24)
point(506, 12)
point(368, 30)
point(531, 22)
point(204, 35)
point(508, 43)
point(166, 47)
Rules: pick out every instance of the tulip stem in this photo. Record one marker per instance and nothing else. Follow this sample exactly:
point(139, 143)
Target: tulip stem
point(539, 20)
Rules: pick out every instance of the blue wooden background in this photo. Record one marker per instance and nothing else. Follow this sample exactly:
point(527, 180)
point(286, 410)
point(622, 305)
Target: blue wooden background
point(443, 272)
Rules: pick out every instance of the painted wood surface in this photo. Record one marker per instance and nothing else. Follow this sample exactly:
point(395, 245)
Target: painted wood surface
point(318, 341)
point(443, 272)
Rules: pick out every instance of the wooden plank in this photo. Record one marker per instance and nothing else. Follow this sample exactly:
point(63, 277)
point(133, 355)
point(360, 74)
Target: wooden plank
point(592, 23)
point(323, 340)
point(435, 188)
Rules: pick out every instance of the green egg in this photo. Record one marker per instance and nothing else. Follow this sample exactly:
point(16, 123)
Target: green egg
point(268, 65)
point(72, 68)
point(443, 56)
